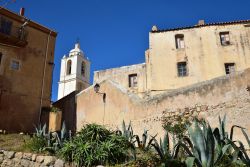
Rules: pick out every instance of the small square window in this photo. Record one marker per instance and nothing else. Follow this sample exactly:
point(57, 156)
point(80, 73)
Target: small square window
point(179, 41)
point(15, 65)
point(224, 38)
point(132, 79)
point(182, 69)
point(230, 68)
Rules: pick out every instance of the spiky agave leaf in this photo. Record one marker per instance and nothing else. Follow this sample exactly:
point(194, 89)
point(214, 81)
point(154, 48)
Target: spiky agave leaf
point(197, 137)
point(190, 161)
point(166, 143)
point(232, 130)
point(246, 136)
point(210, 146)
point(150, 142)
point(63, 131)
point(144, 138)
point(123, 126)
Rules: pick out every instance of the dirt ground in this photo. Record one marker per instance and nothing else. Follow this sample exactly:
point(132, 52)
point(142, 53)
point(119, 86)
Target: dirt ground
point(14, 142)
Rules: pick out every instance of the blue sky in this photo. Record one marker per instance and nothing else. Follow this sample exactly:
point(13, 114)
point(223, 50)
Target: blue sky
point(115, 32)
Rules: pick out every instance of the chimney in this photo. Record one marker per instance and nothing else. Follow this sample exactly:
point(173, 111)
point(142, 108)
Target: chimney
point(201, 22)
point(154, 28)
point(22, 10)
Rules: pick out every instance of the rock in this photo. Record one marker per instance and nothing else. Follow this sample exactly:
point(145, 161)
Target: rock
point(49, 160)
point(1, 159)
point(9, 154)
point(19, 155)
point(59, 163)
point(17, 161)
point(25, 163)
point(27, 156)
point(39, 159)
point(33, 158)
point(7, 162)
point(36, 164)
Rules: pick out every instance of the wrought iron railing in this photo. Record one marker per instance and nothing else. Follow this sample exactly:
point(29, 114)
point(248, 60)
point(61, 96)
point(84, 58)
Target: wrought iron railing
point(17, 32)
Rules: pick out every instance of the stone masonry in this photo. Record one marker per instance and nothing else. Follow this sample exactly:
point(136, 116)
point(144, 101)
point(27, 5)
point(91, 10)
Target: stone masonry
point(17, 159)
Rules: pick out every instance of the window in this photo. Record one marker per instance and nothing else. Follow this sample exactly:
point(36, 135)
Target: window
point(1, 57)
point(15, 65)
point(69, 64)
point(179, 41)
point(224, 38)
point(229, 68)
point(182, 69)
point(5, 26)
point(83, 69)
point(132, 79)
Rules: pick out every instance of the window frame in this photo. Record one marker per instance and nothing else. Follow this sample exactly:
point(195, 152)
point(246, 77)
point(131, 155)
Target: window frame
point(131, 80)
point(18, 62)
point(223, 36)
point(178, 39)
point(227, 68)
point(182, 72)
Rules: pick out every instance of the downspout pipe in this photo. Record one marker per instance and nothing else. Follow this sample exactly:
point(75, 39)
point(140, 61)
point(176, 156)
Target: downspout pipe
point(44, 74)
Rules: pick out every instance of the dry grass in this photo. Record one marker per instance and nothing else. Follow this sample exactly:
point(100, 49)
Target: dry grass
point(14, 142)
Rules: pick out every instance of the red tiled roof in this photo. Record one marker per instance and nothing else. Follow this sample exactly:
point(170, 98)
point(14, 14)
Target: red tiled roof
point(204, 25)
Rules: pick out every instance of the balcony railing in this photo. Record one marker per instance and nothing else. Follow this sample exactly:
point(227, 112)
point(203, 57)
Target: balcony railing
point(11, 35)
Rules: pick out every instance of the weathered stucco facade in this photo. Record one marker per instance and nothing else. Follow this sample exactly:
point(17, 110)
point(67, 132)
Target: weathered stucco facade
point(26, 66)
point(203, 69)
point(202, 50)
point(121, 76)
point(209, 99)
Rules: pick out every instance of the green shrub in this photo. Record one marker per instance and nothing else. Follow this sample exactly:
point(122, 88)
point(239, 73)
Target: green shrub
point(36, 144)
point(95, 145)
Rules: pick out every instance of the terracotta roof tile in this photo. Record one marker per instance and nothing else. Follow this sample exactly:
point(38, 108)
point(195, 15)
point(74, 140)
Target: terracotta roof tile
point(204, 25)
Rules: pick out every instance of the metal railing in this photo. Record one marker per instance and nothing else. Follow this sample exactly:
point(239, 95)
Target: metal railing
point(18, 33)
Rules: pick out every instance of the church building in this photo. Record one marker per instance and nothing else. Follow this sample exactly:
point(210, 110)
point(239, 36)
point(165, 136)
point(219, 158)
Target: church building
point(201, 69)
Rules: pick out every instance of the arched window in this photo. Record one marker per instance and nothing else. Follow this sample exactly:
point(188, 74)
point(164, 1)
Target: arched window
point(83, 69)
point(69, 64)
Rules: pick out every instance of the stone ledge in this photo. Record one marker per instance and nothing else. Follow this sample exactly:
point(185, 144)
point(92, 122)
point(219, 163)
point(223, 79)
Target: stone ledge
point(11, 159)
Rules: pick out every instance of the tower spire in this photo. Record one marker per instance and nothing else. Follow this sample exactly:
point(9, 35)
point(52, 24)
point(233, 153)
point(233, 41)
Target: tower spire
point(77, 44)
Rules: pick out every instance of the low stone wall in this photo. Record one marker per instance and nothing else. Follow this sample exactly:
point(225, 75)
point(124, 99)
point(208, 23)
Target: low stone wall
point(17, 159)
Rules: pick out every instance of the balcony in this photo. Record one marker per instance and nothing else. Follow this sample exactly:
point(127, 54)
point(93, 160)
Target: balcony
point(11, 35)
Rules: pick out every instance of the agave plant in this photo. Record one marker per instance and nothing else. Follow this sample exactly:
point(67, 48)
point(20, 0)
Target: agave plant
point(55, 141)
point(163, 149)
point(222, 139)
point(126, 132)
point(40, 130)
point(204, 152)
point(143, 144)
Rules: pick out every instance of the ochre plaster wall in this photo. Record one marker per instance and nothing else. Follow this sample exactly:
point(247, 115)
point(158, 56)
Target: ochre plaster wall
point(121, 76)
point(219, 96)
point(21, 90)
point(203, 52)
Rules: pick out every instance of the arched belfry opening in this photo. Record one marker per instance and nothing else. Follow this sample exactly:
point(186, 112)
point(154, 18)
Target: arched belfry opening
point(69, 67)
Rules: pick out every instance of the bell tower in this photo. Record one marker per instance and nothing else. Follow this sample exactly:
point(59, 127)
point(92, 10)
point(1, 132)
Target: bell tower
point(75, 72)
